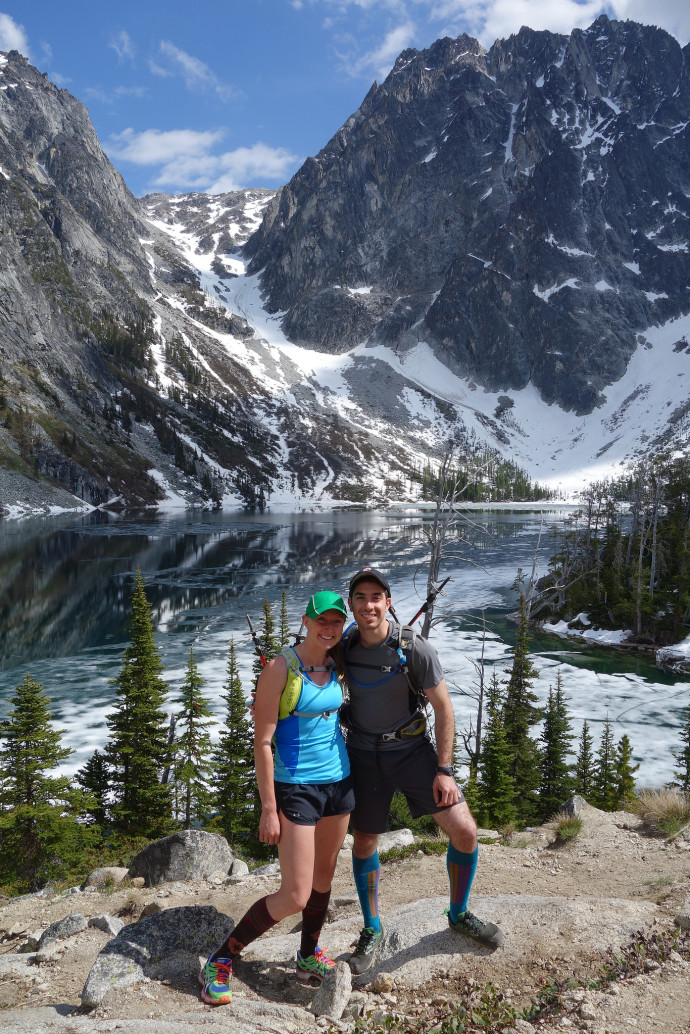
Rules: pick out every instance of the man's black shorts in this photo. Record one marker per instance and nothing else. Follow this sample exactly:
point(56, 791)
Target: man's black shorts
point(306, 803)
point(377, 774)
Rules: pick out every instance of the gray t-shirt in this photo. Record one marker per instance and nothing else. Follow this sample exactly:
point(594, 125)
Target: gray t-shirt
point(380, 701)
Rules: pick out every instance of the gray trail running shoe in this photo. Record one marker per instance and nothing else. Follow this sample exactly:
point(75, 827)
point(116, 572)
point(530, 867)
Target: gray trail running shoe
point(370, 941)
point(468, 924)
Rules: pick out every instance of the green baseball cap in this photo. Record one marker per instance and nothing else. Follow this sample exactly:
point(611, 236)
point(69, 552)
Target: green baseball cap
point(323, 601)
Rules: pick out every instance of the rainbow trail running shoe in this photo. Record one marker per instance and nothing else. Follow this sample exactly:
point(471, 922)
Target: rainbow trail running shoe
point(215, 981)
point(316, 965)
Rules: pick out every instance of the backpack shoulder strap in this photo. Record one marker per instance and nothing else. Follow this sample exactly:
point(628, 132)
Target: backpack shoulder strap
point(407, 642)
point(289, 698)
point(350, 637)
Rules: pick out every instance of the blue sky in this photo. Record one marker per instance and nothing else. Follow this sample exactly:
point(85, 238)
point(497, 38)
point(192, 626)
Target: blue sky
point(237, 93)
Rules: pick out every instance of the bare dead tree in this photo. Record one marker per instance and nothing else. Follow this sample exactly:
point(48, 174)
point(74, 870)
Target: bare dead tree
point(471, 736)
point(443, 534)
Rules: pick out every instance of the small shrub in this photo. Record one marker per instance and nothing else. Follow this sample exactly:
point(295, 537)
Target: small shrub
point(130, 906)
point(507, 831)
point(565, 827)
point(664, 811)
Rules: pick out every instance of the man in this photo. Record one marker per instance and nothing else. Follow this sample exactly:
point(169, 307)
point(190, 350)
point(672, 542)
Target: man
point(389, 751)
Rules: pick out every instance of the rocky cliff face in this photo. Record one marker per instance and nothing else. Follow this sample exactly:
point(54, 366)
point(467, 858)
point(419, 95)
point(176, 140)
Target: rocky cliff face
point(124, 378)
point(70, 265)
point(523, 210)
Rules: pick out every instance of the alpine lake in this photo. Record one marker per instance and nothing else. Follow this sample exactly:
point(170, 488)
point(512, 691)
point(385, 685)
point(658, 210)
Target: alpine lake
point(66, 585)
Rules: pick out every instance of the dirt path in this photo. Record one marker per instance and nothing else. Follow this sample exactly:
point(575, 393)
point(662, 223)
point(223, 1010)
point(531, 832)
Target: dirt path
point(611, 861)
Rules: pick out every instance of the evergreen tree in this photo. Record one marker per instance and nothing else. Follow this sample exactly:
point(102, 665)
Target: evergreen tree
point(233, 760)
point(39, 829)
point(138, 749)
point(682, 758)
point(269, 642)
point(584, 766)
point(556, 779)
point(495, 788)
point(284, 626)
point(625, 771)
point(94, 777)
point(193, 747)
point(605, 781)
point(519, 714)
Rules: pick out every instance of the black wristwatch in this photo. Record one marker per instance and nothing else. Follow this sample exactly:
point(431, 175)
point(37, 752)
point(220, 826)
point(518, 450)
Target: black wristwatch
point(445, 770)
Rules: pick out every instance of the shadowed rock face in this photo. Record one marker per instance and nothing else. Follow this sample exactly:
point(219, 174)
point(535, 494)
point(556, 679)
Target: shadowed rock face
point(524, 210)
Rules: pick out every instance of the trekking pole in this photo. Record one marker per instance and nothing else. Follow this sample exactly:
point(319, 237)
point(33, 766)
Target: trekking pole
point(259, 652)
point(429, 600)
point(257, 644)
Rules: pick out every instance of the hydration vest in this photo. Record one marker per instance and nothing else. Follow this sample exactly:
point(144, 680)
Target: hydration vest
point(293, 685)
point(405, 664)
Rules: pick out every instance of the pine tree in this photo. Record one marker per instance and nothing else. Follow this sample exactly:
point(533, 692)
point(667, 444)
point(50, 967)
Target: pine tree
point(584, 766)
point(193, 747)
point(137, 749)
point(284, 626)
point(605, 782)
point(495, 788)
point(94, 778)
point(625, 771)
point(268, 640)
point(39, 829)
point(556, 780)
point(682, 758)
point(519, 714)
point(233, 761)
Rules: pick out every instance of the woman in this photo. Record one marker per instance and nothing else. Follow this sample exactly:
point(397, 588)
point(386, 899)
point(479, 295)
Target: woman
point(306, 796)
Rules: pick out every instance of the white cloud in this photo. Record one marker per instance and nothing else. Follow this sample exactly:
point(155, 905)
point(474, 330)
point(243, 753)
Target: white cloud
point(186, 160)
point(672, 15)
point(504, 17)
point(13, 36)
point(97, 93)
point(490, 20)
point(249, 166)
point(131, 91)
point(196, 74)
point(121, 43)
point(379, 61)
point(487, 20)
point(155, 146)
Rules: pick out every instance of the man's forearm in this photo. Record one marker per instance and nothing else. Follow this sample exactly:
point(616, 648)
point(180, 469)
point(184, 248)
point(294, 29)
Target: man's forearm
point(444, 721)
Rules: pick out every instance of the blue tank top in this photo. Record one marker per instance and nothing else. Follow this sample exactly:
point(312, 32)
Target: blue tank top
point(309, 746)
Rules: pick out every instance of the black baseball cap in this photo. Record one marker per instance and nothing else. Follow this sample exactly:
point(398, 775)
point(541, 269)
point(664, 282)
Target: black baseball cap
point(369, 574)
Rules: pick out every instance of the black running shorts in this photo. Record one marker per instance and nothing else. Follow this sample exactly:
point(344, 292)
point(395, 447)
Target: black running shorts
point(377, 774)
point(306, 803)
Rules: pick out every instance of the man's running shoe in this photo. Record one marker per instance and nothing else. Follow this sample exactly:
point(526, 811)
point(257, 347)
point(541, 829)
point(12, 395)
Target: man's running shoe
point(370, 941)
point(316, 965)
point(215, 981)
point(468, 924)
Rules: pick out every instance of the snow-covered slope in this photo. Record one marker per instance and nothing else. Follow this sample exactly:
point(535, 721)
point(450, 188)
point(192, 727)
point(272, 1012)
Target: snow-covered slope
point(396, 396)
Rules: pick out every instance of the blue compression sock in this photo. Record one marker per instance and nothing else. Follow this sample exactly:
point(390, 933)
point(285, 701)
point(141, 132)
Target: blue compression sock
point(461, 869)
point(366, 873)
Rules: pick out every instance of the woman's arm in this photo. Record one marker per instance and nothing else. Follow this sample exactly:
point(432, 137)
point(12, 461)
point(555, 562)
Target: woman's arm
point(268, 690)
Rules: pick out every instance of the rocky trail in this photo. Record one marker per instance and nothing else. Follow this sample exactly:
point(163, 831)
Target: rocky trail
point(560, 908)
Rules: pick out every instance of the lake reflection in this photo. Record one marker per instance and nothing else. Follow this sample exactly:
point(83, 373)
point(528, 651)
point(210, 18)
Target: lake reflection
point(65, 592)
